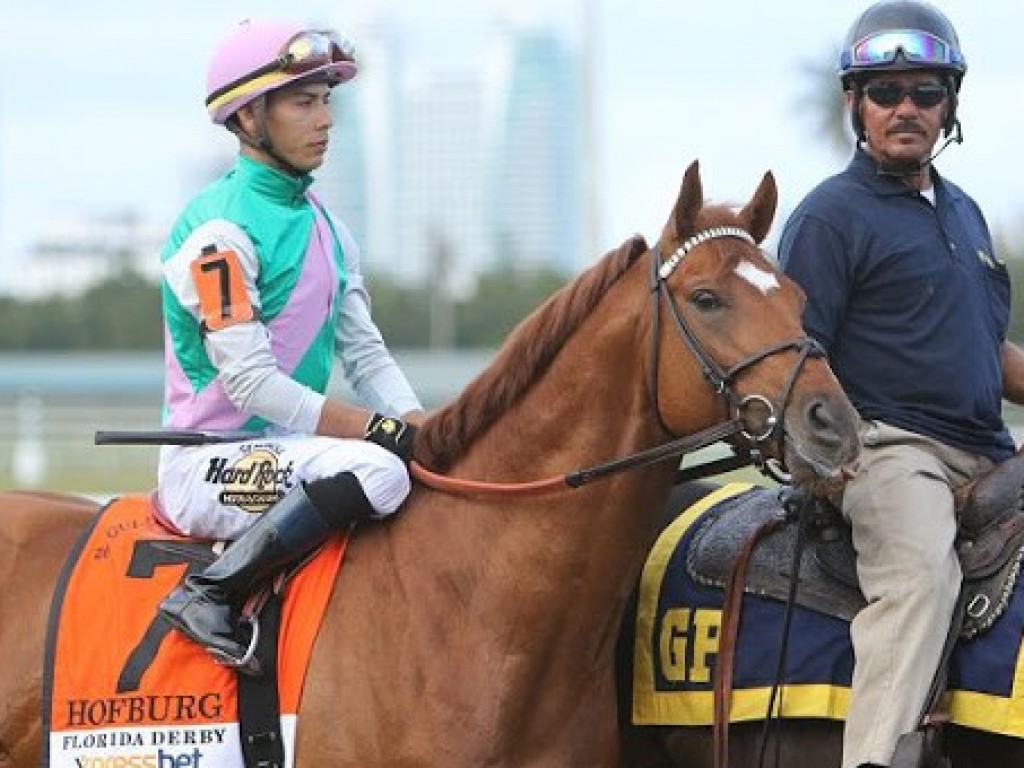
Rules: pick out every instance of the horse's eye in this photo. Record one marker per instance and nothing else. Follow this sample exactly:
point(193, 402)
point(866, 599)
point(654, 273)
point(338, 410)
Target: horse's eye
point(705, 300)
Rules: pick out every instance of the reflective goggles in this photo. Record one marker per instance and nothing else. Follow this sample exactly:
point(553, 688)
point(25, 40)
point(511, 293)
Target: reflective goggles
point(916, 46)
point(304, 52)
point(923, 95)
point(309, 50)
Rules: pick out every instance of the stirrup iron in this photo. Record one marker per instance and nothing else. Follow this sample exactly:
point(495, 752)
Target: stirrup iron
point(247, 664)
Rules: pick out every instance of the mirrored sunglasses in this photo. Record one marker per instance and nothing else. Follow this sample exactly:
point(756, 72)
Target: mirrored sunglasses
point(916, 46)
point(923, 95)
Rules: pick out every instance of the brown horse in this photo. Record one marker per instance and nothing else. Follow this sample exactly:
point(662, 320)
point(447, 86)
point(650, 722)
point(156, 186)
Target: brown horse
point(793, 743)
point(480, 630)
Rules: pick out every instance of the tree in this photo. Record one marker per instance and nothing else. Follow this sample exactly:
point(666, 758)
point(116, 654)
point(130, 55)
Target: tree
point(503, 297)
point(825, 103)
point(123, 313)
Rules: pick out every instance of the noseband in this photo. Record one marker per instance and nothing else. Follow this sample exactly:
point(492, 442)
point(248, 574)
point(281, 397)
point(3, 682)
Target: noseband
point(722, 380)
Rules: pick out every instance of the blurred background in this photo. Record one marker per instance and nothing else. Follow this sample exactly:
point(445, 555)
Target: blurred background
point(486, 154)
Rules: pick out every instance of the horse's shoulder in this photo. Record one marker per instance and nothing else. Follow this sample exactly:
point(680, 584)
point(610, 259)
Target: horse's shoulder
point(48, 500)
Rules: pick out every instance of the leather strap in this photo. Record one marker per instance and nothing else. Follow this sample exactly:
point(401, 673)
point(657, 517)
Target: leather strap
point(732, 605)
point(259, 708)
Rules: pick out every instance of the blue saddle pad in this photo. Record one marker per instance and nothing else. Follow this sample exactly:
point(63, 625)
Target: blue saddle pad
point(675, 650)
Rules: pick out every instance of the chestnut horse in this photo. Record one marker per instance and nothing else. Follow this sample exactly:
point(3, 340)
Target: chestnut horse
point(792, 743)
point(480, 629)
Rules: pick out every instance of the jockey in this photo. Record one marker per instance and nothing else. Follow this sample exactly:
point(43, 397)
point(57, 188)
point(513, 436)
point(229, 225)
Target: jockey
point(909, 298)
point(262, 289)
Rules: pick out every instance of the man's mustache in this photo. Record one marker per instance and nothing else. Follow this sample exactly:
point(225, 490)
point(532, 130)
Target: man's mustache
point(907, 126)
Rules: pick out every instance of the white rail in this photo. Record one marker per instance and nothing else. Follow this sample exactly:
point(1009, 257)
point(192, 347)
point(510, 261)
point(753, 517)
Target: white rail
point(48, 442)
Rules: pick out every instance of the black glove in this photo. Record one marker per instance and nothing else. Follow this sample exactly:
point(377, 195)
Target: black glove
point(393, 434)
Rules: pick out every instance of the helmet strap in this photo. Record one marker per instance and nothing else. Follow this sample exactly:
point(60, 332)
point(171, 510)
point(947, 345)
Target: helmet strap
point(916, 167)
point(261, 141)
point(952, 124)
point(855, 119)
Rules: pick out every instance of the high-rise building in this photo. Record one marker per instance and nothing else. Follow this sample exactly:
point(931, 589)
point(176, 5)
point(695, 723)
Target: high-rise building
point(536, 205)
point(79, 251)
point(444, 174)
point(443, 150)
point(343, 179)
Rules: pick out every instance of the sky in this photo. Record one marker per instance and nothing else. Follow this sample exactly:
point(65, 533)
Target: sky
point(101, 103)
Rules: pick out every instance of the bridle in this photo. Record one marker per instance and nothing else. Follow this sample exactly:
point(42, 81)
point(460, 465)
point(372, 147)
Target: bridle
point(722, 380)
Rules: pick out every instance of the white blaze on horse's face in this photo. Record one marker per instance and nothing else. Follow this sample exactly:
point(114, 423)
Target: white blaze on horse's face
point(762, 279)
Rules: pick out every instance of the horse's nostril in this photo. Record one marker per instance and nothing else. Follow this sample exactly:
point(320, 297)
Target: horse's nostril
point(833, 427)
point(826, 422)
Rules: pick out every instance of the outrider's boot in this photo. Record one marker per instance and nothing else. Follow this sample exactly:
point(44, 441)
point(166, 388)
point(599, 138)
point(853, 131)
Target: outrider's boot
point(205, 606)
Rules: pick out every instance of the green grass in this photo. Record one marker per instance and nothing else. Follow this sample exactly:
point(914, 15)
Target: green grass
point(90, 482)
point(86, 486)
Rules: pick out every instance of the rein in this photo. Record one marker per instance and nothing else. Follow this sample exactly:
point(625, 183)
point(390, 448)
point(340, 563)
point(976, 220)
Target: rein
point(581, 477)
point(721, 382)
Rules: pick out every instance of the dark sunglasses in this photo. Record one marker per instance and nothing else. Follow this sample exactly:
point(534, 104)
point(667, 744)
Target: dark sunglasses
point(924, 95)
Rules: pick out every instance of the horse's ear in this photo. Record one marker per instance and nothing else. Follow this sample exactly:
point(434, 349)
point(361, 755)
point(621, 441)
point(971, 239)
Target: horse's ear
point(757, 215)
point(683, 221)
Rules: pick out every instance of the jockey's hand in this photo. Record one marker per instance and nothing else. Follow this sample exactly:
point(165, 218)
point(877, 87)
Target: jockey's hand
point(393, 434)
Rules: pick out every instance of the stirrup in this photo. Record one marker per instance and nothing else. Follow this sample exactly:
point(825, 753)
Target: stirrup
point(247, 664)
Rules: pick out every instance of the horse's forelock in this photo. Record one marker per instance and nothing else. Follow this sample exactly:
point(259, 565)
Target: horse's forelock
point(524, 356)
point(721, 215)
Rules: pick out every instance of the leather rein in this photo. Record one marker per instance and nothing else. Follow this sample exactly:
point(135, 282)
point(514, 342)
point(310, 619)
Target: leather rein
point(721, 381)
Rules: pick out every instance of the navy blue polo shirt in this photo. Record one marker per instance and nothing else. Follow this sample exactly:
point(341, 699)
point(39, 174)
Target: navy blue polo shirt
point(909, 300)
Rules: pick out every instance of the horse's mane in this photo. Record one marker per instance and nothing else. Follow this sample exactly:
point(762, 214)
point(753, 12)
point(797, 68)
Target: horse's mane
point(524, 356)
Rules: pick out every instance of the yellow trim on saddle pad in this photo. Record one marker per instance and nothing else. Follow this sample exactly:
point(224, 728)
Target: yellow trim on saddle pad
point(995, 714)
point(695, 707)
point(672, 669)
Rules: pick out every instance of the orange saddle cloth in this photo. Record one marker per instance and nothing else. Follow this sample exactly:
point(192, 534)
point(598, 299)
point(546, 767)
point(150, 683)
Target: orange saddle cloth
point(121, 688)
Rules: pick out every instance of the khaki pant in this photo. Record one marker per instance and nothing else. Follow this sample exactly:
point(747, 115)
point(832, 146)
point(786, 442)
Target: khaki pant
point(900, 506)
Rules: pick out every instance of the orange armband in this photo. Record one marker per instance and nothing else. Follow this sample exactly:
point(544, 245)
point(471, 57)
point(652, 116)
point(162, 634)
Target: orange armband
point(223, 300)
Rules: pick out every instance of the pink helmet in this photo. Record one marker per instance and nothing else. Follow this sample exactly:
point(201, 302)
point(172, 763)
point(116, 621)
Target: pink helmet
point(260, 56)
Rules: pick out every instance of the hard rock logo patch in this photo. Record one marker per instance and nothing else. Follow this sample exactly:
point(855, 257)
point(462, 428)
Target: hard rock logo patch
point(253, 482)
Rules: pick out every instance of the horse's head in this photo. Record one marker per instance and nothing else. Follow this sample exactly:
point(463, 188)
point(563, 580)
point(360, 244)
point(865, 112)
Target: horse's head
point(724, 307)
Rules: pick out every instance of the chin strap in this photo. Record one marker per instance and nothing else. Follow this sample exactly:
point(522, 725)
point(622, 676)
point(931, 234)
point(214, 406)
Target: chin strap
point(262, 141)
point(915, 167)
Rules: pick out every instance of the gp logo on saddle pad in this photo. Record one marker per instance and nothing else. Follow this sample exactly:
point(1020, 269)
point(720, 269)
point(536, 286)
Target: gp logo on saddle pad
point(120, 688)
point(675, 648)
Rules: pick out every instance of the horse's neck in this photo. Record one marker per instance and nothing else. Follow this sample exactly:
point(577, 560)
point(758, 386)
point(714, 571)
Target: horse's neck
point(581, 546)
point(592, 405)
point(483, 597)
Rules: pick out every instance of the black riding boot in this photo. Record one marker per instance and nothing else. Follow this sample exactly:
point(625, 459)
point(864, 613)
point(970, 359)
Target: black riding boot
point(205, 606)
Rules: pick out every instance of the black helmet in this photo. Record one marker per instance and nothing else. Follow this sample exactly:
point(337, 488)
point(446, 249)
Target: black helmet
point(901, 34)
point(896, 35)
